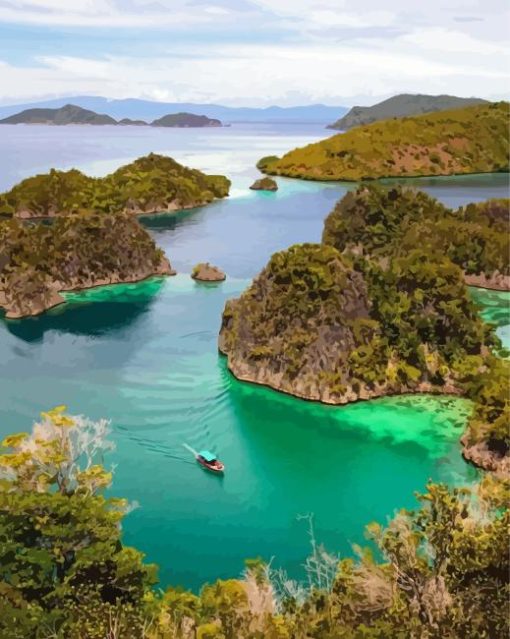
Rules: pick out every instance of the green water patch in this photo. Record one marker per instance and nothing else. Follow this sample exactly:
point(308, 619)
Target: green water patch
point(495, 309)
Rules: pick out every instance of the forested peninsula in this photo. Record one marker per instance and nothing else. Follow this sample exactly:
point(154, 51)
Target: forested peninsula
point(380, 307)
point(151, 184)
point(473, 139)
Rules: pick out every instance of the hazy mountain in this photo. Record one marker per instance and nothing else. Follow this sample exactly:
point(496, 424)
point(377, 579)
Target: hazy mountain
point(68, 114)
point(147, 110)
point(400, 106)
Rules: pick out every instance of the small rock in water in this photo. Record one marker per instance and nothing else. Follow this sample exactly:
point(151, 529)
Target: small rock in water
point(264, 184)
point(206, 272)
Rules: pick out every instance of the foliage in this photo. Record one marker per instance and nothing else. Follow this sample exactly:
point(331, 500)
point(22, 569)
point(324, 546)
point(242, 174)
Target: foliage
point(384, 222)
point(490, 421)
point(468, 140)
point(65, 574)
point(338, 327)
point(150, 184)
point(82, 250)
point(61, 559)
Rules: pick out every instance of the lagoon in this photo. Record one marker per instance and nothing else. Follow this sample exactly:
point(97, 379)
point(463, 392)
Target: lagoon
point(145, 356)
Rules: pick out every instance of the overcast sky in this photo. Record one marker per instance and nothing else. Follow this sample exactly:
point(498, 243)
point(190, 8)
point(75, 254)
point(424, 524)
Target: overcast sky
point(253, 52)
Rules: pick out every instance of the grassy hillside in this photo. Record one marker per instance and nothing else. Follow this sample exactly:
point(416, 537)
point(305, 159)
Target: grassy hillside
point(400, 106)
point(469, 140)
point(150, 184)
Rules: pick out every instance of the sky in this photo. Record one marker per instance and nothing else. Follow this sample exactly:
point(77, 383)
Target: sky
point(253, 52)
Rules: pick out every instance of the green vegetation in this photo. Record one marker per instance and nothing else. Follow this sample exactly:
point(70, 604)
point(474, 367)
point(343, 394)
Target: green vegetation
point(487, 439)
point(470, 140)
point(78, 251)
point(441, 572)
point(384, 222)
point(336, 328)
point(150, 184)
point(400, 106)
point(381, 307)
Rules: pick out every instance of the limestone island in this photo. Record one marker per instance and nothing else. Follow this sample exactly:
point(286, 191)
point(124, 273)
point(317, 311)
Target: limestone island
point(39, 261)
point(264, 184)
point(378, 308)
point(473, 139)
point(205, 272)
point(152, 184)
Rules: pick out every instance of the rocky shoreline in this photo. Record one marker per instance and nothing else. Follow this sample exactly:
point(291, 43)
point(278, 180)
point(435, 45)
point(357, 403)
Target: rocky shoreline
point(494, 282)
point(52, 296)
point(480, 455)
point(315, 393)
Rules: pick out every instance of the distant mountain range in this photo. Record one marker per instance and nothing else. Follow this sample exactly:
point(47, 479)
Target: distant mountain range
point(400, 106)
point(135, 109)
point(72, 114)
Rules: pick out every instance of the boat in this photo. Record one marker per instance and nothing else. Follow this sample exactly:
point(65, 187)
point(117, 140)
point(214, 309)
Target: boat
point(209, 460)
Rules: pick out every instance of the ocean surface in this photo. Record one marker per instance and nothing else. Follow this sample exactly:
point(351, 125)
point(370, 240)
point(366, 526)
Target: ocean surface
point(145, 356)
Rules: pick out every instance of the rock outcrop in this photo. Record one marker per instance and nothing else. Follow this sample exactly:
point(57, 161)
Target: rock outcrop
point(264, 184)
point(205, 272)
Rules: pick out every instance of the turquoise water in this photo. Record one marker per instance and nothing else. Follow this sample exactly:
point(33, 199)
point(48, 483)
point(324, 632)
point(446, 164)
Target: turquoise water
point(496, 310)
point(145, 356)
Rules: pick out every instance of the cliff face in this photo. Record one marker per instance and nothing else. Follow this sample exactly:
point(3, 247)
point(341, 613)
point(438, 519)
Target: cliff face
point(469, 140)
point(336, 328)
point(151, 184)
point(80, 251)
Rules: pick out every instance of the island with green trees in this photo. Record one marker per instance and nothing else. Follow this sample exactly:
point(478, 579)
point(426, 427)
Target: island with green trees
point(151, 184)
point(473, 139)
point(379, 308)
point(400, 106)
point(39, 261)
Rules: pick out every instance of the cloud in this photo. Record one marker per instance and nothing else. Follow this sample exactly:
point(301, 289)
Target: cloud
point(256, 51)
point(228, 75)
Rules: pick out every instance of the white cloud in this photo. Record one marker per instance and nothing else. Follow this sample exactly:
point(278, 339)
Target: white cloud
point(332, 51)
point(253, 75)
